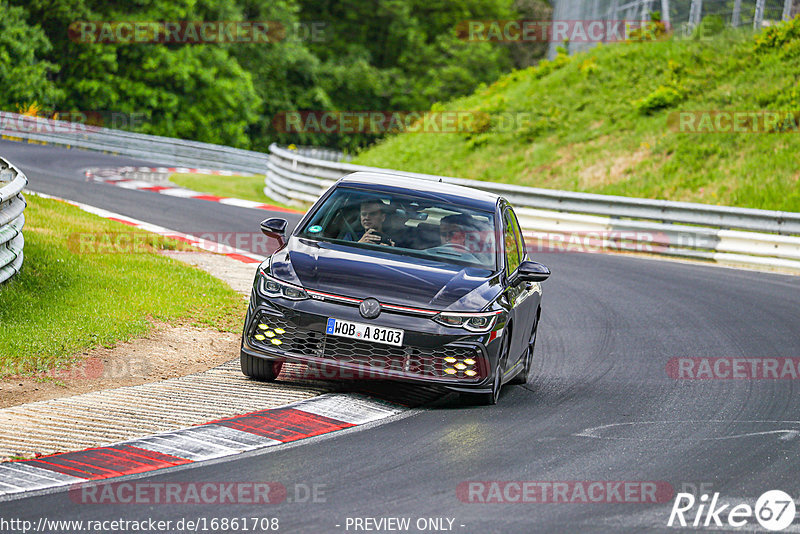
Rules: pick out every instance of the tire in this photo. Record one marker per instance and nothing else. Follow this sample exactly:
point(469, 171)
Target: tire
point(490, 399)
point(258, 368)
point(521, 378)
point(524, 374)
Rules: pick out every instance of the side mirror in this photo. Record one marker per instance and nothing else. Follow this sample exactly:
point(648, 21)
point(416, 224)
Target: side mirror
point(531, 271)
point(276, 229)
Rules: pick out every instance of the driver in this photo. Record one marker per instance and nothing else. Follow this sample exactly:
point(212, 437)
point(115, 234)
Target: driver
point(454, 230)
point(372, 217)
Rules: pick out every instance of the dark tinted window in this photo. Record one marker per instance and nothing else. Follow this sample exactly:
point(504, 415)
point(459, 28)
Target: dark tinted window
point(511, 244)
point(518, 233)
point(406, 224)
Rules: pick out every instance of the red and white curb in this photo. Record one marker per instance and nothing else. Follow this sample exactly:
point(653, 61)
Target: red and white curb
point(197, 242)
point(169, 170)
point(117, 177)
point(217, 439)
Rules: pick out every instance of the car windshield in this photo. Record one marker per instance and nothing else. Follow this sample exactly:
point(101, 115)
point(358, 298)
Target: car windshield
point(407, 225)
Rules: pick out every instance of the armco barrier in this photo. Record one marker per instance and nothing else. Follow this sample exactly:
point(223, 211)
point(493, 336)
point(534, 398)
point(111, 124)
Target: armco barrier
point(156, 149)
point(12, 219)
point(741, 236)
point(162, 150)
point(565, 220)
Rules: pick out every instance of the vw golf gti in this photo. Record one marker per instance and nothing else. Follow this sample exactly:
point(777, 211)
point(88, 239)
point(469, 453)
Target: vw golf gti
point(396, 278)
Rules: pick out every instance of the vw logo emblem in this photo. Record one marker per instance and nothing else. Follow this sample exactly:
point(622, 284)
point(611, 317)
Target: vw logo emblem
point(369, 308)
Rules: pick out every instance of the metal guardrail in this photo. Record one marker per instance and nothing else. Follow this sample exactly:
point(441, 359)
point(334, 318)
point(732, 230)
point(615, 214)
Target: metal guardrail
point(162, 150)
point(12, 219)
point(556, 218)
point(566, 220)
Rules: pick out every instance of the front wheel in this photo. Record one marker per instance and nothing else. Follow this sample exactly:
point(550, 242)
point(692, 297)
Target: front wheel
point(525, 372)
point(490, 398)
point(521, 377)
point(259, 368)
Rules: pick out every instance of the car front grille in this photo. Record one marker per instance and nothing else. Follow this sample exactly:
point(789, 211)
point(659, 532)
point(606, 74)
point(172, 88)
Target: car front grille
point(442, 362)
point(292, 338)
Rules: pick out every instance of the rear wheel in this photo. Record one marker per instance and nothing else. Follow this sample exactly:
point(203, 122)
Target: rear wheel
point(259, 368)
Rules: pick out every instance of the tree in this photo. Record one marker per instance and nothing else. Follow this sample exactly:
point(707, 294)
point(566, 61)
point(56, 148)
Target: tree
point(189, 91)
point(23, 71)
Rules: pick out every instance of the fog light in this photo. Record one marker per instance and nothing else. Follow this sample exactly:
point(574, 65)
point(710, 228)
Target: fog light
point(259, 337)
point(276, 341)
point(469, 361)
point(450, 371)
point(450, 359)
point(263, 326)
point(460, 366)
point(269, 333)
point(470, 372)
point(280, 331)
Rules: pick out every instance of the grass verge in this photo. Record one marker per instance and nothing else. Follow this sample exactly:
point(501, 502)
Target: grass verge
point(64, 301)
point(603, 121)
point(244, 187)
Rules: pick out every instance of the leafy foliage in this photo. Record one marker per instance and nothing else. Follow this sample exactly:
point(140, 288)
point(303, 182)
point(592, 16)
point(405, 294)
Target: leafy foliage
point(372, 55)
point(23, 71)
point(608, 121)
point(661, 98)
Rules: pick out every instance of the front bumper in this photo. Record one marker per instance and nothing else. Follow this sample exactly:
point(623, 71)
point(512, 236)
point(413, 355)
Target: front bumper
point(294, 331)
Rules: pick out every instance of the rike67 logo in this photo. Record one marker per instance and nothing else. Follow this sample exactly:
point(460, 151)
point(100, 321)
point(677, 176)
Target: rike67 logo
point(774, 510)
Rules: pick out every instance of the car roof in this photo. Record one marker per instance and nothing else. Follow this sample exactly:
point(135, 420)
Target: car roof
point(396, 183)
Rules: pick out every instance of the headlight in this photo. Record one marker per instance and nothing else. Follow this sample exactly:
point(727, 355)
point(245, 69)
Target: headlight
point(473, 322)
point(272, 287)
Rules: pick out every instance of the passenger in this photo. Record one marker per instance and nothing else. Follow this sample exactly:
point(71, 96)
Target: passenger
point(372, 217)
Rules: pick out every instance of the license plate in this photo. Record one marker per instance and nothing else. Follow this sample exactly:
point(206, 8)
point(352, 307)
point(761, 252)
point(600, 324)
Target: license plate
point(365, 332)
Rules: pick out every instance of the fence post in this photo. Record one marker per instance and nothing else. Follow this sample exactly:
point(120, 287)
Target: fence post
point(665, 12)
point(612, 12)
point(759, 18)
point(736, 19)
point(695, 12)
point(787, 9)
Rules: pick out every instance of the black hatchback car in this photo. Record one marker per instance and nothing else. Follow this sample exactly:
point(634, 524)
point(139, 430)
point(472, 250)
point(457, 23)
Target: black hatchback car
point(396, 278)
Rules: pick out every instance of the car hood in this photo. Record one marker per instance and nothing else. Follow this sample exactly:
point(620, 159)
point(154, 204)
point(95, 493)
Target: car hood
point(390, 278)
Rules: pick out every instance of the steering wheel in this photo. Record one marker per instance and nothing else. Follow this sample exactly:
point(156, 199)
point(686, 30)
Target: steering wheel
point(458, 246)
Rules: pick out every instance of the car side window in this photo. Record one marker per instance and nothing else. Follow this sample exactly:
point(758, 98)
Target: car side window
point(518, 233)
point(510, 238)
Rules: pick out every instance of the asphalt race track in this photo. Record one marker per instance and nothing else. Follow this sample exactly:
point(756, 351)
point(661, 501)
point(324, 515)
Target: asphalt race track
point(60, 172)
point(601, 405)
